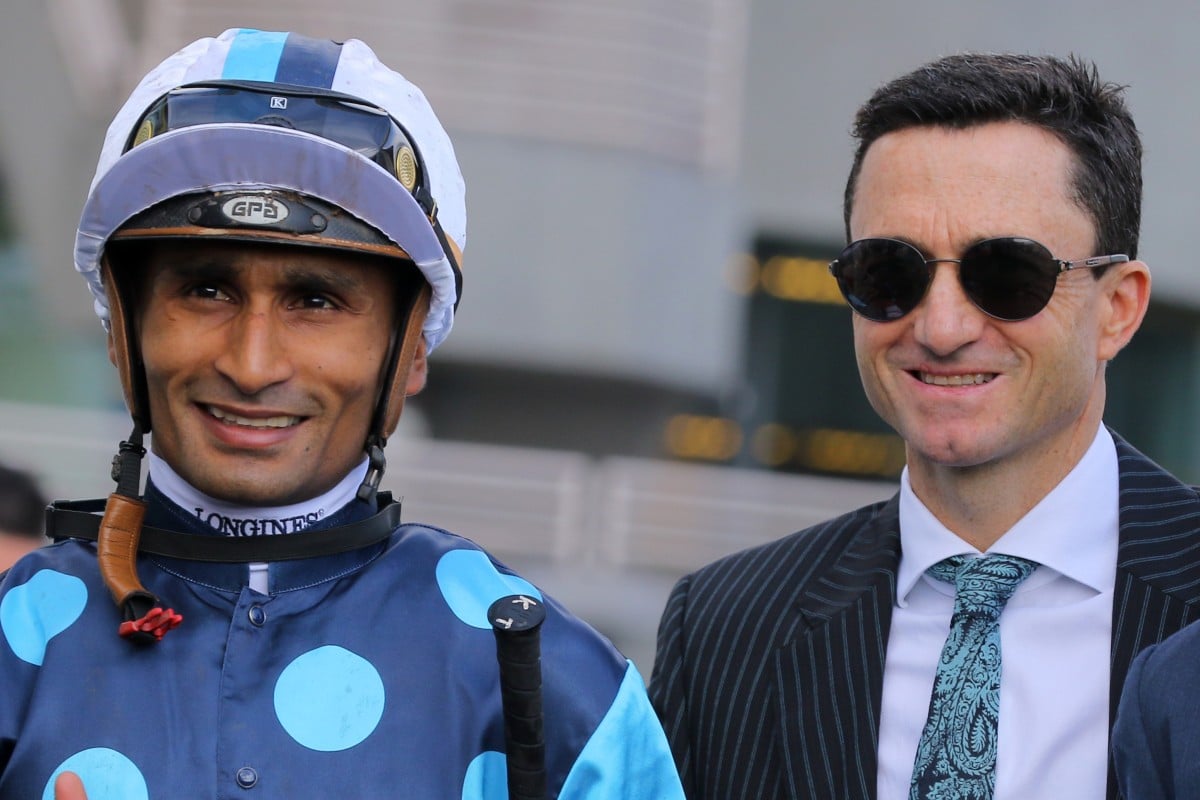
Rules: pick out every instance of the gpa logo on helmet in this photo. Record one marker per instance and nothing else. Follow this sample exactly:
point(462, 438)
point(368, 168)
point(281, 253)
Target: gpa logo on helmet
point(254, 209)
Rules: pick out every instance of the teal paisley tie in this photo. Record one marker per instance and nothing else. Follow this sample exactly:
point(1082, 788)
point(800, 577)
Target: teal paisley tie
point(956, 757)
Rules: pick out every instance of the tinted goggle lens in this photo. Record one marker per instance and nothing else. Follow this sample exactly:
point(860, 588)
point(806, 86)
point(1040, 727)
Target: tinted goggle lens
point(1009, 278)
point(368, 130)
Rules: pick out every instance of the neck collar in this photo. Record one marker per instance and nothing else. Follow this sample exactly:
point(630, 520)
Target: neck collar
point(237, 520)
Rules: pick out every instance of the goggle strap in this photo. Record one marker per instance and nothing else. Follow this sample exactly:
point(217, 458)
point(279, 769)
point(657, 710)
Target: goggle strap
point(425, 199)
point(451, 252)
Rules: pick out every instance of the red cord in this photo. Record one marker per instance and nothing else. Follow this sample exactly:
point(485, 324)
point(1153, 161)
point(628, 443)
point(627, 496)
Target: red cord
point(155, 623)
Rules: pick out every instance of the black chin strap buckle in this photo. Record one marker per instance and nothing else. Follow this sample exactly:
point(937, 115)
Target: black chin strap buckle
point(375, 467)
point(127, 464)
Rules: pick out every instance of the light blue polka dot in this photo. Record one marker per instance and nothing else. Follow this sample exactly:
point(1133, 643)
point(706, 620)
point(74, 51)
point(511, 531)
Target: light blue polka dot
point(38, 610)
point(329, 699)
point(486, 778)
point(470, 583)
point(106, 775)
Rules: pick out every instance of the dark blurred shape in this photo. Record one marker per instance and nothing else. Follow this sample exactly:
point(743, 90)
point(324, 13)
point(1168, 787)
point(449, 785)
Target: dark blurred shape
point(22, 515)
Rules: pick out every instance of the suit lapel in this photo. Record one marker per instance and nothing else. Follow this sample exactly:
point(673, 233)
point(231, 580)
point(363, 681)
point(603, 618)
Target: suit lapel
point(829, 679)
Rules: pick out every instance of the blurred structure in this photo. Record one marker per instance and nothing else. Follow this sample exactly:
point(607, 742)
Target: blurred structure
point(656, 367)
point(22, 513)
point(654, 187)
point(606, 536)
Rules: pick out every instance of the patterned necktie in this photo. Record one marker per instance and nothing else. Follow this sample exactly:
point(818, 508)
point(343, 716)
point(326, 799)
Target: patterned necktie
point(956, 757)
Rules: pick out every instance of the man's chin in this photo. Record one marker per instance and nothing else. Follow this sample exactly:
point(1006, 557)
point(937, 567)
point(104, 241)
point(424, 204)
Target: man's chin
point(255, 487)
point(949, 451)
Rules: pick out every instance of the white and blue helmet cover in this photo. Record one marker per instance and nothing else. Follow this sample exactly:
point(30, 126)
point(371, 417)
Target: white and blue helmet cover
point(248, 157)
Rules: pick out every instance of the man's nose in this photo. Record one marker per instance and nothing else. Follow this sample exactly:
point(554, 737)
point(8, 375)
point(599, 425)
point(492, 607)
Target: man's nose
point(946, 319)
point(255, 354)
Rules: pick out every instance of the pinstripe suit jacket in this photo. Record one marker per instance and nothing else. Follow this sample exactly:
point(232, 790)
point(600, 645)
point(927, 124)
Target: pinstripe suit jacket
point(769, 669)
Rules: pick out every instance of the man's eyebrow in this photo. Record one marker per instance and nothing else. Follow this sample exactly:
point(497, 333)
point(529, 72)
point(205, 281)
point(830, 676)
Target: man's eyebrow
point(301, 277)
point(197, 270)
point(322, 279)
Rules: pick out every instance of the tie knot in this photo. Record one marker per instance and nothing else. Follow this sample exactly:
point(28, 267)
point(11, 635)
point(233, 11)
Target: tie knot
point(983, 585)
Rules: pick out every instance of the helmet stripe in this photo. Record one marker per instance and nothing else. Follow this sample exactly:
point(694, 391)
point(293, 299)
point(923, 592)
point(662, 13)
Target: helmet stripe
point(282, 58)
point(306, 61)
point(254, 55)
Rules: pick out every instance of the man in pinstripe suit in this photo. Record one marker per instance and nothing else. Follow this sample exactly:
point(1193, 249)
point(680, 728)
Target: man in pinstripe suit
point(804, 668)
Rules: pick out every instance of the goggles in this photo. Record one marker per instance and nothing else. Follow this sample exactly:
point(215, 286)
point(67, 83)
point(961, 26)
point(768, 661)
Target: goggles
point(1009, 278)
point(346, 120)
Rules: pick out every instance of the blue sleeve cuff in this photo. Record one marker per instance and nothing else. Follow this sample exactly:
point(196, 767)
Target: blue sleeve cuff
point(627, 757)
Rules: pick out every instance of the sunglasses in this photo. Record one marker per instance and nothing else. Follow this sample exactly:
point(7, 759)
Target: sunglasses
point(350, 122)
point(1009, 278)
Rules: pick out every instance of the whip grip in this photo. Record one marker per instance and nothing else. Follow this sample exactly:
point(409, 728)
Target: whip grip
point(516, 621)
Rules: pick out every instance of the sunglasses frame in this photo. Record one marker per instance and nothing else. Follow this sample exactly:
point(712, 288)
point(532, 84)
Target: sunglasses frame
point(1057, 267)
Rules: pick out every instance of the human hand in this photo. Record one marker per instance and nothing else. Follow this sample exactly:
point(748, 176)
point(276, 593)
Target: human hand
point(67, 786)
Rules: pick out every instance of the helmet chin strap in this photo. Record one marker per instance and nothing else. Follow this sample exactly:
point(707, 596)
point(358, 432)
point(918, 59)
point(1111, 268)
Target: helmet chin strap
point(144, 620)
point(387, 415)
point(376, 464)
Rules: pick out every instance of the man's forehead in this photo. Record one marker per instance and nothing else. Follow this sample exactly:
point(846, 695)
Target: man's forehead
point(988, 139)
point(280, 262)
point(992, 179)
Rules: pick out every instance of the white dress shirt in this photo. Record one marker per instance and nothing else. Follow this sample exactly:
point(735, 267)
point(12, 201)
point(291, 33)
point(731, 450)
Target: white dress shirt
point(1055, 636)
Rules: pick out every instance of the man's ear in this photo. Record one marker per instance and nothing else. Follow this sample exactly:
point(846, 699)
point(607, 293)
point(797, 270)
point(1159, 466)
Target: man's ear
point(418, 372)
point(1127, 297)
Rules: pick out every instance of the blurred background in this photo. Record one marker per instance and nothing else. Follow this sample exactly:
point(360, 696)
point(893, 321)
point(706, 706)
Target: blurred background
point(651, 367)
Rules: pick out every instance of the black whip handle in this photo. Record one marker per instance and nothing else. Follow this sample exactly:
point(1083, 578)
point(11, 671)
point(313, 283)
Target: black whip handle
point(516, 620)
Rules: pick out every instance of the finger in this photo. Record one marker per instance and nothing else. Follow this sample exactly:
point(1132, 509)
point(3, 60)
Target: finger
point(68, 786)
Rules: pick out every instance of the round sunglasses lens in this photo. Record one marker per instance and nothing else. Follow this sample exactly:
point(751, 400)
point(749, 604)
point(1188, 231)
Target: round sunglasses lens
point(1010, 279)
point(882, 279)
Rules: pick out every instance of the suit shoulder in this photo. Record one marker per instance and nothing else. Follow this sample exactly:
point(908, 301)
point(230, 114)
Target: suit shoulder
point(836, 533)
point(797, 557)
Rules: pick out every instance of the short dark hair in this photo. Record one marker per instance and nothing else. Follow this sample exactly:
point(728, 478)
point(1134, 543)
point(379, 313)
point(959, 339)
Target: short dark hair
point(1063, 96)
point(22, 504)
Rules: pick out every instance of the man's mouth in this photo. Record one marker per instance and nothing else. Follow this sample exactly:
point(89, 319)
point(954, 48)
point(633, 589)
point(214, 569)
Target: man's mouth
point(968, 379)
point(253, 422)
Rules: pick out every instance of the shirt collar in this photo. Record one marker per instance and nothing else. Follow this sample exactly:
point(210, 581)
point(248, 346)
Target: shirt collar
point(1073, 531)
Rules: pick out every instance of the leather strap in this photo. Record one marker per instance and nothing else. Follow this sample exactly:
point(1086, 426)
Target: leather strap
point(117, 550)
point(79, 519)
point(123, 350)
point(396, 389)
